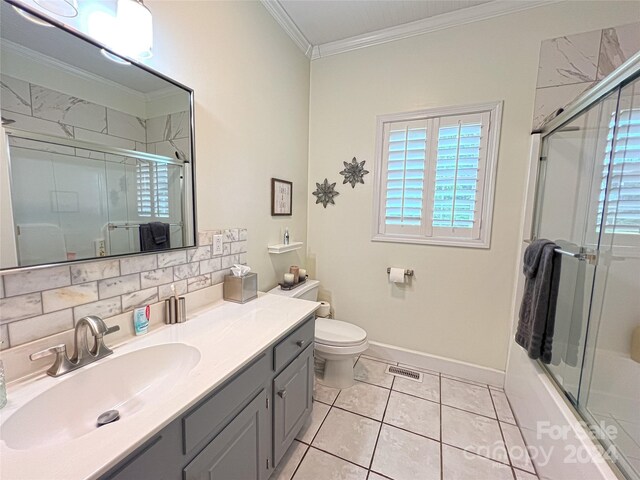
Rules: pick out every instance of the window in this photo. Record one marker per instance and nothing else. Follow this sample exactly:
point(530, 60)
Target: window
point(623, 197)
point(152, 187)
point(435, 173)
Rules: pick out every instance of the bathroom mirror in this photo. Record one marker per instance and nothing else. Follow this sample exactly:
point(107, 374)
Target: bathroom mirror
point(97, 154)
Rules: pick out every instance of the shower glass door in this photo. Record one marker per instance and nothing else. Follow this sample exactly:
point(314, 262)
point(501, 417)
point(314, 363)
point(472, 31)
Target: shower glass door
point(610, 389)
point(588, 202)
point(567, 214)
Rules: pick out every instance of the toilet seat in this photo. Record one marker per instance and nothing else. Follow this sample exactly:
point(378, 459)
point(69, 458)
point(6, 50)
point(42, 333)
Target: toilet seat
point(335, 333)
point(335, 353)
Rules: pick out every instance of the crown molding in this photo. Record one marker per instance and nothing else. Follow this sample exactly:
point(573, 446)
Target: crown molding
point(166, 92)
point(484, 11)
point(284, 20)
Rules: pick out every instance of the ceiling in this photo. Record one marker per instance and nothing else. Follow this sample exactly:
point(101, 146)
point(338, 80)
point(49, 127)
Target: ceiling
point(329, 27)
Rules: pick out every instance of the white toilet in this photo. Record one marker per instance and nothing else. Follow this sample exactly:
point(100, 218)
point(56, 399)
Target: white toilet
point(336, 342)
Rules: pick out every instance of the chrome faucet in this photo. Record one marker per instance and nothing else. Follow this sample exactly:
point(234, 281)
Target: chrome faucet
point(82, 355)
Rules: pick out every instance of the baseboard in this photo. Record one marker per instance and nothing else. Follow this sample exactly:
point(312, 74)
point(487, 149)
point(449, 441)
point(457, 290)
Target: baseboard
point(445, 365)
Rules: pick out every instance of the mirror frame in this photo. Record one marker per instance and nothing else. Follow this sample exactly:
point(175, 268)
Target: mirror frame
point(192, 142)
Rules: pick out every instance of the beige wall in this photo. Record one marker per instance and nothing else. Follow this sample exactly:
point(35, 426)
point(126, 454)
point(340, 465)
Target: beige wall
point(252, 94)
point(458, 304)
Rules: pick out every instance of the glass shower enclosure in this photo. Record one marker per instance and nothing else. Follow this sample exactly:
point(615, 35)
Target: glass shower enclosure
point(588, 202)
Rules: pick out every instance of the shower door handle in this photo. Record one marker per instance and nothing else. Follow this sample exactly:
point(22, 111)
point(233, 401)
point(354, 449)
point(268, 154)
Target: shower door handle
point(584, 254)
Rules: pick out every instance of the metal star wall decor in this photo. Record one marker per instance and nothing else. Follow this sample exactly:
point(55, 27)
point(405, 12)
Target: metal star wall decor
point(325, 192)
point(353, 172)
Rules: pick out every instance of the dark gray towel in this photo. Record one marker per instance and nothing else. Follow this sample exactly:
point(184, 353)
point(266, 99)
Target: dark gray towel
point(154, 236)
point(159, 232)
point(537, 311)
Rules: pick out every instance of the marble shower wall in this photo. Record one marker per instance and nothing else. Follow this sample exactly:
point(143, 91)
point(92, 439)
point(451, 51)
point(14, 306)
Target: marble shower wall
point(572, 64)
point(39, 109)
point(169, 135)
point(41, 302)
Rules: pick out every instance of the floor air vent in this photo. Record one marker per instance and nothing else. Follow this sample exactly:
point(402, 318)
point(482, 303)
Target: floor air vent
point(405, 372)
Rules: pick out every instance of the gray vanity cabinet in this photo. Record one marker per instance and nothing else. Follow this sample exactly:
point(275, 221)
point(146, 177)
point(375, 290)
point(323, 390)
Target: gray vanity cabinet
point(240, 451)
point(240, 430)
point(292, 401)
point(155, 459)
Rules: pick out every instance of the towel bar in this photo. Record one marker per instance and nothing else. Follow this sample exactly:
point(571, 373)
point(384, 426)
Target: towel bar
point(591, 257)
point(112, 226)
point(583, 254)
point(408, 272)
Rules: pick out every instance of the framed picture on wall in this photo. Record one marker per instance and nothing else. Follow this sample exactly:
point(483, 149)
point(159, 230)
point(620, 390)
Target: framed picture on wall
point(281, 197)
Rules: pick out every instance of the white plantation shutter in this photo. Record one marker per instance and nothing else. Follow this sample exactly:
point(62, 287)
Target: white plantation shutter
point(432, 176)
point(161, 190)
point(458, 175)
point(405, 156)
point(143, 189)
point(623, 196)
point(152, 188)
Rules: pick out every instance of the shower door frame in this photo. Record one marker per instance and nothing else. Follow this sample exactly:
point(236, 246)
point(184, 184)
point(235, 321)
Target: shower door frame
point(616, 81)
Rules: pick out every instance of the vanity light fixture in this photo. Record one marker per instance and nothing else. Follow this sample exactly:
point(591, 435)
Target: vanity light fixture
point(32, 18)
point(62, 8)
point(135, 25)
point(128, 33)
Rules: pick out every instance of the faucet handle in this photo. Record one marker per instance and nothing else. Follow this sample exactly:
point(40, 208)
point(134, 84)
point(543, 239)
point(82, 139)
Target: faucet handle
point(55, 350)
point(61, 365)
point(99, 349)
point(109, 330)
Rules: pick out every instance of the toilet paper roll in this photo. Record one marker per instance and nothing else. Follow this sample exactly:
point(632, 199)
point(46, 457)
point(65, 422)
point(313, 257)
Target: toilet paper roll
point(324, 310)
point(396, 275)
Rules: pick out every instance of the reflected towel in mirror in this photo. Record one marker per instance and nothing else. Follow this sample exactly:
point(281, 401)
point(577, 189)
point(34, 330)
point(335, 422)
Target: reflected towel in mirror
point(154, 236)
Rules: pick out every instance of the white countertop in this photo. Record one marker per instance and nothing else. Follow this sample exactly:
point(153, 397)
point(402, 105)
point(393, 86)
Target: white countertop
point(228, 336)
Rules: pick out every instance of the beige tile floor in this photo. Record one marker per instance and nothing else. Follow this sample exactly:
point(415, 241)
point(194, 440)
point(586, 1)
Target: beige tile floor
point(387, 427)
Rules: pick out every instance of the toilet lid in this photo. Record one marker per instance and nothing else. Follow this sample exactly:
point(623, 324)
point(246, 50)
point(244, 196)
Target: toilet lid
point(337, 333)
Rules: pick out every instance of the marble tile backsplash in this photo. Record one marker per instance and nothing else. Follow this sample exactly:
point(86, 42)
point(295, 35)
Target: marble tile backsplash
point(41, 302)
point(572, 64)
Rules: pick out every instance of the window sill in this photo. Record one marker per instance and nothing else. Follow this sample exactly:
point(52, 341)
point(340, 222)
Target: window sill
point(445, 242)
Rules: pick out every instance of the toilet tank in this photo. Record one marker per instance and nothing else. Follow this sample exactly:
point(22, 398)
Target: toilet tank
point(308, 291)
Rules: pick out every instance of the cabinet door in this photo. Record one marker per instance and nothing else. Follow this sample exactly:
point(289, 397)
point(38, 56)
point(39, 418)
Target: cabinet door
point(241, 450)
point(292, 404)
point(159, 458)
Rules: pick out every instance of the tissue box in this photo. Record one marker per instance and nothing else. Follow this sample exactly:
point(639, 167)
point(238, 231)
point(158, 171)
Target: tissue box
point(240, 289)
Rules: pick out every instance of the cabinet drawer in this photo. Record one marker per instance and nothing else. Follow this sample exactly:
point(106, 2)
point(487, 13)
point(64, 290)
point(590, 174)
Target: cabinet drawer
point(209, 417)
point(293, 344)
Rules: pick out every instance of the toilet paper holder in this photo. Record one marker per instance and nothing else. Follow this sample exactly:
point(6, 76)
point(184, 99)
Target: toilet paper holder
point(408, 272)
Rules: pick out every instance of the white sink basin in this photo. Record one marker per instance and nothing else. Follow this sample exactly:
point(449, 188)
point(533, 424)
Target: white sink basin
point(70, 408)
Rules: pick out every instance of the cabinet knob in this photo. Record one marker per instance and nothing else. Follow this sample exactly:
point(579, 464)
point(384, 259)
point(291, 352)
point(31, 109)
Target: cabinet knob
point(300, 343)
point(282, 393)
